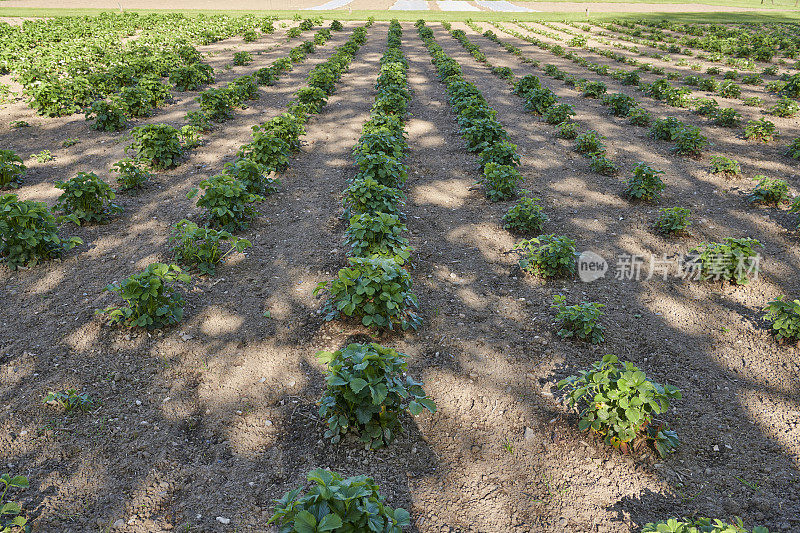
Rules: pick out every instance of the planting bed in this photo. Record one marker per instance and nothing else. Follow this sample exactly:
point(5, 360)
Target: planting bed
point(202, 424)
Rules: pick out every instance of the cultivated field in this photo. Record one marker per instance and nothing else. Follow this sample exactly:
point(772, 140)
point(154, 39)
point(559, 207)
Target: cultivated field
point(193, 209)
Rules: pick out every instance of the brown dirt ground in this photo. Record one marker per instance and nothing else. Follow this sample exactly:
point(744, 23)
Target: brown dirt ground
point(217, 417)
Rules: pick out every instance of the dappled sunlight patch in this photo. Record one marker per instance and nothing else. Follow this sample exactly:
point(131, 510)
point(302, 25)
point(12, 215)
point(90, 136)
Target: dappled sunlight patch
point(49, 281)
point(443, 193)
point(218, 321)
point(486, 238)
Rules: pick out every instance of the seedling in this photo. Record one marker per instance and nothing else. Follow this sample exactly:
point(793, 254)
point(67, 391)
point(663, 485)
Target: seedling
point(673, 221)
point(201, 248)
point(526, 216)
point(70, 400)
point(645, 184)
point(547, 256)
point(733, 260)
point(579, 320)
point(11, 519)
point(784, 316)
point(771, 191)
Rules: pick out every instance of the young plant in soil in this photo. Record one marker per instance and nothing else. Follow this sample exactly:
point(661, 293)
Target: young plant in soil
point(158, 144)
point(201, 248)
point(378, 235)
point(242, 58)
point(86, 198)
point(11, 519)
point(725, 166)
point(785, 318)
point(131, 175)
point(640, 117)
point(579, 320)
point(500, 181)
point(107, 116)
point(150, 296)
point(589, 142)
point(526, 216)
point(367, 393)
point(733, 260)
point(70, 400)
point(602, 164)
point(793, 150)
point(547, 256)
point(700, 525)
point(770, 191)
point(374, 289)
point(645, 184)
point(11, 169)
point(568, 130)
point(365, 195)
point(785, 107)
point(761, 130)
point(191, 77)
point(255, 176)
point(619, 403)
point(689, 141)
point(337, 504)
point(227, 203)
point(673, 221)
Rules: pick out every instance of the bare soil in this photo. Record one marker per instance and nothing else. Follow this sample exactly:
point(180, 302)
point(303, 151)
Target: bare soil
point(217, 417)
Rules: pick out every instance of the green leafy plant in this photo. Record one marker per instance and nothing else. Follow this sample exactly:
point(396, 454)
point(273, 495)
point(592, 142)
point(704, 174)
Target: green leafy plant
point(86, 198)
point(793, 150)
point(338, 505)
point(666, 129)
point(784, 316)
point(785, 107)
point(108, 116)
point(601, 164)
point(621, 104)
point(761, 130)
point(158, 144)
point(44, 156)
point(645, 184)
point(199, 120)
point(500, 153)
point(700, 525)
point(191, 77)
point(727, 118)
point(134, 101)
point(594, 89)
point(378, 235)
point(559, 113)
point(723, 165)
point(773, 191)
point(526, 216)
point(753, 101)
point(255, 176)
point(673, 221)
point(589, 142)
point(11, 169)
point(190, 136)
point(268, 150)
point(500, 181)
point(619, 403)
point(131, 175)
point(216, 104)
point(377, 290)
point(242, 58)
point(733, 260)
point(366, 393)
point(547, 256)
point(202, 248)
point(11, 518)
point(70, 400)
point(69, 142)
point(639, 117)
point(579, 320)
point(227, 202)
point(151, 298)
point(28, 233)
point(366, 195)
point(728, 89)
point(568, 130)
point(689, 141)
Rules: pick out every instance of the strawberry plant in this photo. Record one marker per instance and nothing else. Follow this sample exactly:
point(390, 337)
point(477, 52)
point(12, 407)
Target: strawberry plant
point(107, 116)
point(191, 77)
point(526, 216)
point(150, 297)
point(761, 130)
point(725, 166)
point(313, 98)
point(268, 150)
point(11, 169)
point(539, 99)
point(589, 142)
point(559, 113)
point(602, 165)
point(700, 525)
point(639, 117)
point(70, 400)
point(753, 101)
point(216, 104)
point(242, 58)
point(772, 191)
point(28, 232)
point(227, 202)
point(727, 118)
point(338, 505)
point(11, 518)
point(673, 221)
point(366, 195)
point(378, 235)
point(547, 256)
point(666, 129)
point(500, 181)
point(500, 153)
point(620, 104)
point(734, 260)
point(190, 136)
point(158, 144)
point(619, 404)
point(250, 36)
point(199, 120)
point(86, 198)
point(376, 290)
point(336, 26)
point(784, 317)
point(793, 150)
point(287, 127)
point(133, 101)
point(568, 130)
point(728, 89)
point(645, 184)
point(255, 176)
point(131, 175)
point(201, 248)
point(689, 141)
point(706, 107)
point(785, 107)
point(367, 392)
point(384, 169)
point(580, 320)
point(594, 89)
point(156, 91)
